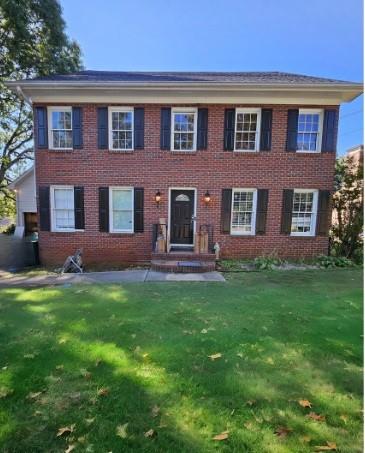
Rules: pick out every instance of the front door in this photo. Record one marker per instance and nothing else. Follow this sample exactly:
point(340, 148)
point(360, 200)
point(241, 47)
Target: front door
point(182, 212)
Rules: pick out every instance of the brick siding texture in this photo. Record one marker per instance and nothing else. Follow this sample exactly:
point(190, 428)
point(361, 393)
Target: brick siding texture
point(154, 169)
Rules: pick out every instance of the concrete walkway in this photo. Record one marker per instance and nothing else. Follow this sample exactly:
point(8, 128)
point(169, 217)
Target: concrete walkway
point(128, 276)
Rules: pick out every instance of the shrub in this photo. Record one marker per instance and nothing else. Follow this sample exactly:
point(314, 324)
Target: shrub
point(267, 262)
point(9, 229)
point(334, 261)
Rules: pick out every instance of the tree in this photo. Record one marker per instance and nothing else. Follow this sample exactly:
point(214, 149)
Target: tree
point(348, 203)
point(33, 43)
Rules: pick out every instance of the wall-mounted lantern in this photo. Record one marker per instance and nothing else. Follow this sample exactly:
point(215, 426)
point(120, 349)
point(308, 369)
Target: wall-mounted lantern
point(158, 197)
point(207, 197)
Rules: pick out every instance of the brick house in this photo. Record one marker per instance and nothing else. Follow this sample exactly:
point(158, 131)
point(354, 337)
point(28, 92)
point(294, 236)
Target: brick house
point(247, 157)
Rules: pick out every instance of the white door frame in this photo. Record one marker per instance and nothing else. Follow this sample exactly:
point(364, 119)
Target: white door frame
point(169, 217)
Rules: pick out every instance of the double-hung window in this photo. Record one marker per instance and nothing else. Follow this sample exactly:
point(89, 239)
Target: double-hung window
point(60, 127)
point(243, 217)
point(121, 128)
point(304, 213)
point(247, 130)
point(309, 130)
point(121, 201)
point(62, 208)
point(183, 129)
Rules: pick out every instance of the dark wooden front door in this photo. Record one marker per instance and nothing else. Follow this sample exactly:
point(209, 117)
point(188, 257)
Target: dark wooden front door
point(30, 223)
point(182, 211)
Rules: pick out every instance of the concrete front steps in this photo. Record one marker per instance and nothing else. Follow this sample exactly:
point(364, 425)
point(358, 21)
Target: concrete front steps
point(184, 262)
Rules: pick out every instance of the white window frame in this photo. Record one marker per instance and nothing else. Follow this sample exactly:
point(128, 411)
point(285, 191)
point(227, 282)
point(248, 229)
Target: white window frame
point(53, 218)
point(312, 231)
point(50, 110)
point(258, 130)
point(111, 229)
point(254, 209)
point(175, 111)
point(110, 125)
point(320, 129)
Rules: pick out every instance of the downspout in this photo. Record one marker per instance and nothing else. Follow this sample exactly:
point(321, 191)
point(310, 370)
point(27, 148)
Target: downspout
point(21, 93)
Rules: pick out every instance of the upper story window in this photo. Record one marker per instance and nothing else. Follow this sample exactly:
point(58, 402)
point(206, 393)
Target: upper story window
point(62, 208)
point(309, 130)
point(121, 128)
point(304, 213)
point(183, 130)
point(121, 209)
point(60, 127)
point(247, 131)
point(243, 217)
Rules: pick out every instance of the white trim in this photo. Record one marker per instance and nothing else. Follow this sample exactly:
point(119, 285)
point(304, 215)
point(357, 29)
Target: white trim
point(111, 229)
point(320, 130)
point(51, 205)
point(177, 110)
point(169, 216)
point(112, 109)
point(257, 139)
point(312, 231)
point(58, 108)
point(254, 209)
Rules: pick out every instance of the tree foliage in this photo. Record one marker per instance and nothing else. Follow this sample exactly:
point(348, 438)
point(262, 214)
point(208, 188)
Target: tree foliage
point(33, 43)
point(348, 204)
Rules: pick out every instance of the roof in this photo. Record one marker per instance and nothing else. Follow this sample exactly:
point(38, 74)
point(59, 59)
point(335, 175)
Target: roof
point(189, 77)
point(29, 172)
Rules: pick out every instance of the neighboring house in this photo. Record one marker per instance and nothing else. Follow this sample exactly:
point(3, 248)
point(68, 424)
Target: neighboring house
point(26, 203)
point(247, 156)
point(356, 153)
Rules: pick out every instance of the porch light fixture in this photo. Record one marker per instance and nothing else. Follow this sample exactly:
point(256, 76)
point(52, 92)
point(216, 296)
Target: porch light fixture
point(207, 197)
point(158, 197)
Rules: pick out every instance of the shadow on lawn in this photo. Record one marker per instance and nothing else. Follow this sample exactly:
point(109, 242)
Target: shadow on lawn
point(153, 353)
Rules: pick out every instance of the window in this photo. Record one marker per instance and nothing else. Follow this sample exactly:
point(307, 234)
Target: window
point(247, 131)
point(184, 129)
point(309, 130)
point(62, 208)
point(60, 127)
point(121, 128)
point(243, 218)
point(121, 209)
point(304, 212)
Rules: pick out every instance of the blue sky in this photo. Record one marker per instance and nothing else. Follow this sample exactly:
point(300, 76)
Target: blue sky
point(316, 37)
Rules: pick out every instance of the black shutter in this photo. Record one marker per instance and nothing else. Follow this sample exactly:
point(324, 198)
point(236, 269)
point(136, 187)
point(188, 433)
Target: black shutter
point(287, 211)
point(139, 128)
point(79, 208)
point(329, 131)
point(323, 212)
point(104, 209)
point(229, 124)
point(44, 208)
point(226, 211)
point(138, 210)
point(202, 137)
point(261, 210)
point(165, 137)
point(77, 127)
point(42, 133)
point(103, 127)
point(292, 130)
point(266, 127)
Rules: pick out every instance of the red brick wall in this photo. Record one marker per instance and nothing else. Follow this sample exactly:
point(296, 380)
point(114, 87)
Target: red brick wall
point(153, 169)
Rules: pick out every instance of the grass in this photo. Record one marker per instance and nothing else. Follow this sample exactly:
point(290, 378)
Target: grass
point(136, 357)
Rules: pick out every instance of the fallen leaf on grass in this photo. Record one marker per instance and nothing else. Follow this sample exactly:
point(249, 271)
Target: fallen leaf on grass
point(204, 331)
point(103, 391)
point(305, 439)
point(70, 448)
point(62, 341)
point(59, 367)
point(305, 403)
point(121, 431)
point(89, 421)
point(344, 418)
point(149, 433)
point(155, 411)
point(251, 402)
point(215, 356)
point(282, 431)
point(331, 446)
point(29, 356)
point(65, 430)
point(33, 395)
point(316, 417)
point(4, 392)
point(221, 436)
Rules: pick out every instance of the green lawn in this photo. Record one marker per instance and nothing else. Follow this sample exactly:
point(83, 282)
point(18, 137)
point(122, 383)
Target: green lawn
point(118, 361)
